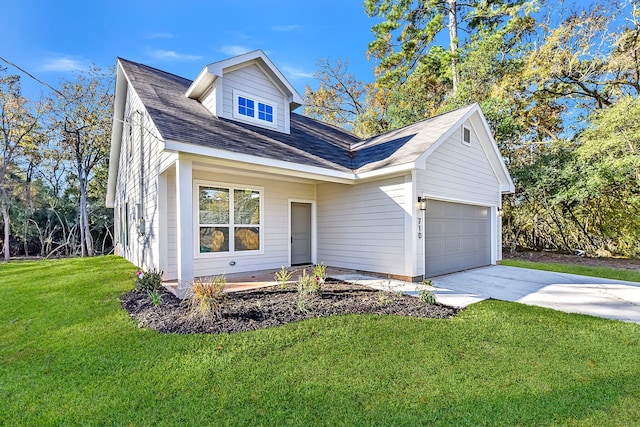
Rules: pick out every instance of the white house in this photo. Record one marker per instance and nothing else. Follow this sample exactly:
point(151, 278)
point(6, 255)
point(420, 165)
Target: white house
point(217, 175)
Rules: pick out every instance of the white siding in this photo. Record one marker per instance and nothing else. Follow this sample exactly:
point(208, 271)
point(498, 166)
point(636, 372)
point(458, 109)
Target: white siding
point(172, 226)
point(252, 81)
point(363, 226)
point(276, 195)
point(143, 251)
point(460, 172)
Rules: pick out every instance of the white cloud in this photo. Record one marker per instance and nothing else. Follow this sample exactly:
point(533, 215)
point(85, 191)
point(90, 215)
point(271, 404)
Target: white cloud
point(63, 64)
point(172, 55)
point(235, 50)
point(286, 28)
point(296, 73)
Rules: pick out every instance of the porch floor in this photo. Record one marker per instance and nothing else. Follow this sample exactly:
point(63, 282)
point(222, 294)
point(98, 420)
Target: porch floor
point(263, 278)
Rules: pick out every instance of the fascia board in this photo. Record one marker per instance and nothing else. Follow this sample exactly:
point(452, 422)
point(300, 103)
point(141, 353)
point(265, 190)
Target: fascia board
point(116, 134)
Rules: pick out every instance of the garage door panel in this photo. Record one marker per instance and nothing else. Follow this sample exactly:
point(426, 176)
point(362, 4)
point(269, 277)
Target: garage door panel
point(457, 237)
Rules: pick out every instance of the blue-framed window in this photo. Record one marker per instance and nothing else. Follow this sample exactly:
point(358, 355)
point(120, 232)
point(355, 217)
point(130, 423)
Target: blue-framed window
point(246, 106)
point(254, 109)
point(265, 112)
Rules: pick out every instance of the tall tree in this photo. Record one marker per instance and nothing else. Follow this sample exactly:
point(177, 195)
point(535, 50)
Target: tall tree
point(18, 123)
point(82, 117)
point(345, 101)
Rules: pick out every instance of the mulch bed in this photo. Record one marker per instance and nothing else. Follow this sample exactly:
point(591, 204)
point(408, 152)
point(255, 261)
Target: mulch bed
point(268, 307)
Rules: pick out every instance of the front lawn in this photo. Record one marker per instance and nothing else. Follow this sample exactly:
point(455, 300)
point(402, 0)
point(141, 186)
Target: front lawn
point(584, 270)
point(70, 355)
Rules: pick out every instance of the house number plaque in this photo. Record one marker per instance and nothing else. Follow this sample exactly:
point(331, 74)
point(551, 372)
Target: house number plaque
point(419, 228)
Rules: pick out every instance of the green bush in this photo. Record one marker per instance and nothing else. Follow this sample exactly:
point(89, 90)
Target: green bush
point(149, 281)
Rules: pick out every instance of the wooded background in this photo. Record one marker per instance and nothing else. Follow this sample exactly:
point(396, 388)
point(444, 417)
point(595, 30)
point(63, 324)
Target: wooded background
point(558, 83)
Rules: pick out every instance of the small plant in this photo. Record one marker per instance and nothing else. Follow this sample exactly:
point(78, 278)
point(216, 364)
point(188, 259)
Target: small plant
point(149, 281)
point(155, 297)
point(282, 277)
point(309, 285)
point(301, 303)
point(424, 294)
point(384, 299)
point(320, 272)
point(207, 296)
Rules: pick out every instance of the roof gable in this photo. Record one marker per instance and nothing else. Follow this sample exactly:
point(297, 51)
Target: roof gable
point(216, 70)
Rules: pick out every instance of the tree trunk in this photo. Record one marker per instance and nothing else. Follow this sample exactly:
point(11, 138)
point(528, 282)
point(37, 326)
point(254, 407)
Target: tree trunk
point(7, 224)
point(453, 43)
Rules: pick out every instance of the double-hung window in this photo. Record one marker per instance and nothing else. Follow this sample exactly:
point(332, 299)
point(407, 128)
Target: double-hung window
point(229, 219)
point(247, 107)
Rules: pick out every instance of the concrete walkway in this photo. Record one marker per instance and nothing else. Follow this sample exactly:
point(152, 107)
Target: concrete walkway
point(611, 299)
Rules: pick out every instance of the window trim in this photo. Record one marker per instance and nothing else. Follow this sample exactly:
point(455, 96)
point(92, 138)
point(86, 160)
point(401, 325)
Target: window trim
point(197, 184)
point(464, 128)
point(253, 119)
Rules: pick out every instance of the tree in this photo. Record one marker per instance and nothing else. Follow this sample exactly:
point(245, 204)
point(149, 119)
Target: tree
point(18, 125)
point(345, 101)
point(82, 118)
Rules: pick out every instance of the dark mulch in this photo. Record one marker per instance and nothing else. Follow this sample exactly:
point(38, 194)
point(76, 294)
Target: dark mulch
point(268, 307)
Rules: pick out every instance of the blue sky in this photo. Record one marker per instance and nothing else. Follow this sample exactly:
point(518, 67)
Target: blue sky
point(52, 39)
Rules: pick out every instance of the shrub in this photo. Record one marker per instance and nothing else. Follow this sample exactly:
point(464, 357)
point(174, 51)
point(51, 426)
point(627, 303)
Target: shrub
point(282, 277)
point(424, 294)
point(149, 281)
point(207, 296)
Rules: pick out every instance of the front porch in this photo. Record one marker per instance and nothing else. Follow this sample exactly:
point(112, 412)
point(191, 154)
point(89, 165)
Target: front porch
point(263, 278)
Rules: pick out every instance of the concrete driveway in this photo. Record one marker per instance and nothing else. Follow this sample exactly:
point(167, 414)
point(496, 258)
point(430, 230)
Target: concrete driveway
point(611, 299)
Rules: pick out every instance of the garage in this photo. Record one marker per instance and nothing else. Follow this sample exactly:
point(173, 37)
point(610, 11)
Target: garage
point(457, 237)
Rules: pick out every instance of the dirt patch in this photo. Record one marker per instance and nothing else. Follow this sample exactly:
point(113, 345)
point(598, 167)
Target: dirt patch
point(626, 263)
point(268, 307)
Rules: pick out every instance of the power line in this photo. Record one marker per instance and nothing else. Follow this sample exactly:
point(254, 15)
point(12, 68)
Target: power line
point(34, 77)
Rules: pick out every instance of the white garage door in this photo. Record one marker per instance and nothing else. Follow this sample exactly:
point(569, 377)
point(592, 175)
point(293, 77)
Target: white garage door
point(457, 237)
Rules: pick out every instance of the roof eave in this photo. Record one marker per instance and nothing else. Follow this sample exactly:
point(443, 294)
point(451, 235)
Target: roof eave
point(116, 134)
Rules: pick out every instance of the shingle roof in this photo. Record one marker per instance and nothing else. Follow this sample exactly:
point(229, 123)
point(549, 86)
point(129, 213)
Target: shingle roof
point(310, 142)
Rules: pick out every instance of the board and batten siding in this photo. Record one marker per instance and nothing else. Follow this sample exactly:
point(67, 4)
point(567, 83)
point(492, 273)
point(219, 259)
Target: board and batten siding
point(253, 82)
point(143, 251)
point(362, 226)
point(276, 196)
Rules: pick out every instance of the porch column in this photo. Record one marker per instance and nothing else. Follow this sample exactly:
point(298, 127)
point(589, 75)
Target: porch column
point(184, 199)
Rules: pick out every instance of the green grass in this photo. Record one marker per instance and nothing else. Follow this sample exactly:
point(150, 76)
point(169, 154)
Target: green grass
point(69, 355)
point(585, 270)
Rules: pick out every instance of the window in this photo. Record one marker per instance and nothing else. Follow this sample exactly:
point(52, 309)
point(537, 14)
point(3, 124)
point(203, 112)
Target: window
point(466, 135)
point(229, 219)
point(245, 106)
point(254, 109)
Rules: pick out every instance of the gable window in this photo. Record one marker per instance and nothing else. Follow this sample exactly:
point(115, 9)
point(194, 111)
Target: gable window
point(251, 108)
point(466, 135)
point(229, 219)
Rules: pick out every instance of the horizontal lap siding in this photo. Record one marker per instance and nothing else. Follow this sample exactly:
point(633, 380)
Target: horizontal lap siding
point(142, 251)
point(172, 226)
point(276, 195)
point(252, 81)
point(456, 171)
point(363, 226)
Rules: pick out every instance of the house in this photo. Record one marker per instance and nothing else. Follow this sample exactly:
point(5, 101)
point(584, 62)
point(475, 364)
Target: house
point(219, 175)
